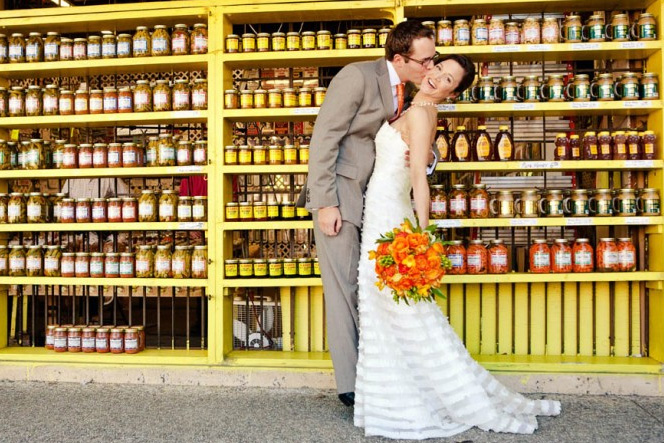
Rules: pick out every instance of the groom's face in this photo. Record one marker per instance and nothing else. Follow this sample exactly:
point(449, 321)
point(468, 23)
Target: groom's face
point(409, 68)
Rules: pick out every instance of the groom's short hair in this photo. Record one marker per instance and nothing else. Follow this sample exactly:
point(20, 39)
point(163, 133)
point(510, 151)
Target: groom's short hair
point(400, 39)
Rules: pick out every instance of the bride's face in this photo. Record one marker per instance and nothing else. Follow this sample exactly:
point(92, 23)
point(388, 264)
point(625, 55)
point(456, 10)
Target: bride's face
point(441, 80)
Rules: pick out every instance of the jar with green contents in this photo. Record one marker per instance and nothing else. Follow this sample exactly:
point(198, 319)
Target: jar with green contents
point(181, 95)
point(145, 262)
point(35, 208)
point(199, 209)
point(124, 49)
point(161, 41)
point(290, 267)
point(34, 261)
point(151, 152)
point(260, 268)
point(166, 151)
point(22, 157)
point(161, 96)
point(162, 262)
point(184, 209)
point(181, 262)
point(94, 47)
point(4, 102)
point(34, 48)
point(17, 48)
point(199, 262)
point(168, 203)
point(199, 96)
point(231, 268)
point(33, 101)
point(4, 199)
point(52, 256)
point(304, 268)
point(141, 42)
point(108, 45)
point(50, 99)
point(5, 156)
point(246, 267)
point(16, 102)
point(16, 208)
point(17, 261)
point(142, 96)
point(275, 268)
point(4, 260)
point(147, 206)
point(4, 49)
point(36, 157)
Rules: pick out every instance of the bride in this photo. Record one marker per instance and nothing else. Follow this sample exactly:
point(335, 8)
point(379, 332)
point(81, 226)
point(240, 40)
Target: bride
point(415, 378)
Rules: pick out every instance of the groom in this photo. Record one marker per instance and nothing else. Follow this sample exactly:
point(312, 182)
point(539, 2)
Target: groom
point(360, 98)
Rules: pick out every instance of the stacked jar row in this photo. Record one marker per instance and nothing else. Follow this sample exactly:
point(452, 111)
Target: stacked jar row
point(262, 211)
point(271, 268)
point(548, 30)
point(478, 259)
point(617, 145)
point(143, 97)
point(101, 339)
point(165, 150)
point(306, 41)
point(266, 155)
point(53, 47)
point(611, 256)
point(50, 261)
point(45, 208)
point(558, 88)
point(458, 203)
point(274, 98)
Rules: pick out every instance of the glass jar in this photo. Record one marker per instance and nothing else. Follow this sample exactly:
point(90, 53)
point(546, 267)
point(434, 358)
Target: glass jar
point(124, 46)
point(162, 262)
point(552, 205)
point(323, 40)
point(88, 339)
point(33, 101)
point(142, 97)
point(596, 29)
point(130, 155)
point(512, 33)
point(340, 41)
point(4, 260)
point(85, 156)
point(278, 41)
point(181, 262)
point(66, 49)
point(497, 258)
point(35, 156)
point(602, 89)
point(102, 340)
point(649, 86)
point(444, 33)
point(232, 211)
point(477, 258)
point(246, 267)
point(126, 100)
point(100, 155)
point(562, 149)
point(645, 28)
point(145, 262)
point(35, 208)
point(607, 255)
point(97, 265)
point(184, 209)
point(590, 146)
point(550, 30)
point(82, 265)
point(52, 256)
point(618, 29)
point(4, 49)
point(147, 206)
point(625, 203)
point(571, 30)
point(34, 261)
point(200, 153)
point(141, 42)
point(161, 96)
point(60, 340)
point(16, 102)
point(456, 253)
point(180, 40)
point(181, 96)
point(161, 41)
point(83, 210)
point(112, 265)
point(199, 96)
point(304, 267)
point(199, 262)
point(496, 32)
point(168, 202)
point(74, 340)
point(34, 48)
point(81, 102)
point(627, 87)
point(458, 202)
point(127, 265)
point(80, 49)
point(561, 256)
point(479, 201)
point(461, 145)
point(16, 261)
point(508, 89)
point(246, 211)
point(319, 95)
point(184, 153)
point(461, 33)
point(626, 255)
point(116, 341)
point(16, 208)
point(246, 99)
point(99, 210)
point(503, 205)
point(540, 257)
point(131, 340)
point(308, 41)
point(50, 335)
point(601, 204)
point(68, 210)
point(438, 206)
point(232, 43)
point(50, 100)
point(66, 102)
point(531, 31)
point(199, 209)
point(114, 155)
point(4, 200)
point(165, 150)
point(231, 268)
point(93, 47)
point(4, 102)
point(263, 42)
point(68, 264)
point(579, 89)
point(17, 48)
point(479, 32)
point(275, 155)
point(199, 39)
point(554, 90)
point(108, 46)
point(648, 203)
point(129, 210)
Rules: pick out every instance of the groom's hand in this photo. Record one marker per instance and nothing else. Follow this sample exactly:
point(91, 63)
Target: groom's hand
point(329, 220)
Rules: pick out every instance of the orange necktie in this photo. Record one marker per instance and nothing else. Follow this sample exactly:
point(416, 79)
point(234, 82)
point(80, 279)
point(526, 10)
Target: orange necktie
point(401, 95)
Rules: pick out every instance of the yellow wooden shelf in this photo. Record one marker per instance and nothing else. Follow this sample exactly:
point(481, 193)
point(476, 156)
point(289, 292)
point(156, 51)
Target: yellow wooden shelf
point(69, 227)
point(97, 120)
point(115, 66)
point(280, 224)
point(280, 59)
point(451, 8)
point(264, 169)
point(648, 276)
point(254, 12)
point(78, 281)
point(159, 357)
point(628, 107)
point(105, 172)
point(547, 221)
point(498, 363)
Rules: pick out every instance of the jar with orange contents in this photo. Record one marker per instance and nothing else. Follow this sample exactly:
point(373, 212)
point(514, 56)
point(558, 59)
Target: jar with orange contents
point(114, 157)
point(561, 256)
point(498, 258)
point(99, 210)
point(114, 210)
point(456, 253)
point(116, 341)
point(607, 255)
point(626, 255)
point(540, 257)
point(477, 258)
point(129, 209)
point(458, 202)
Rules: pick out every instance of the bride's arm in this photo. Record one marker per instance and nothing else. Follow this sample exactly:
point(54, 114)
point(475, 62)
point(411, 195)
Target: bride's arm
point(420, 131)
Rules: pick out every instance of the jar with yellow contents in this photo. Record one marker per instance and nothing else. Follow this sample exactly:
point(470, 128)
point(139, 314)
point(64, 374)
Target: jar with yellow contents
point(290, 155)
point(354, 37)
point(308, 41)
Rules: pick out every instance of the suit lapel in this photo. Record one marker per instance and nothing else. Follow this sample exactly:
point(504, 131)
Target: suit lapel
point(385, 88)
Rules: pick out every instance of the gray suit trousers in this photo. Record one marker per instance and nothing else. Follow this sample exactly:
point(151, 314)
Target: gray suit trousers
point(339, 257)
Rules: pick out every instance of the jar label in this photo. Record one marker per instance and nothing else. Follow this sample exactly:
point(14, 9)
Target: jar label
point(474, 260)
point(651, 207)
point(65, 105)
point(626, 258)
point(142, 265)
point(198, 265)
point(160, 99)
point(128, 157)
point(504, 148)
point(620, 148)
point(114, 212)
point(199, 99)
point(32, 51)
point(631, 91)
point(512, 37)
point(124, 102)
point(574, 33)
point(458, 205)
point(198, 212)
point(15, 51)
point(74, 342)
point(483, 147)
point(112, 267)
point(16, 263)
point(507, 207)
point(96, 104)
point(647, 31)
point(124, 48)
point(550, 33)
point(49, 339)
point(81, 104)
point(50, 104)
point(99, 159)
point(96, 267)
point(94, 50)
point(463, 35)
point(496, 34)
point(456, 260)
point(184, 211)
point(67, 267)
point(183, 156)
point(32, 105)
point(108, 49)
point(610, 258)
point(14, 210)
point(439, 207)
point(461, 148)
point(84, 158)
point(128, 212)
point(34, 210)
point(180, 99)
point(58, 157)
point(88, 342)
point(146, 209)
point(563, 258)
point(581, 207)
point(166, 153)
point(200, 43)
point(582, 91)
point(556, 92)
point(649, 91)
point(178, 44)
point(481, 34)
point(113, 157)
point(101, 343)
point(110, 103)
point(82, 266)
point(531, 34)
point(508, 93)
point(51, 263)
point(478, 204)
point(162, 265)
point(60, 342)
point(151, 156)
point(140, 45)
point(541, 259)
point(605, 91)
point(166, 210)
point(131, 344)
point(555, 207)
point(628, 206)
point(200, 155)
point(178, 265)
point(67, 213)
point(621, 31)
point(66, 52)
point(159, 45)
point(498, 258)
point(116, 343)
point(82, 213)
point(126, 267)
point(33, 263)
point(15, 105)
point(141, 98)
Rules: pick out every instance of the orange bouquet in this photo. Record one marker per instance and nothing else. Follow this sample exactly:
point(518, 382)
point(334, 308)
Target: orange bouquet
point(412, 262)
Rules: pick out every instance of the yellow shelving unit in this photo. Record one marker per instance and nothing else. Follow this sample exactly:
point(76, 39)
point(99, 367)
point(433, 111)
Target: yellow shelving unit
point(513, 322)
point(73, 227)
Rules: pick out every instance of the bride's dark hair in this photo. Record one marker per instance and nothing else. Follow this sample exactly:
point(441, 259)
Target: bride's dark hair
point(468, 70)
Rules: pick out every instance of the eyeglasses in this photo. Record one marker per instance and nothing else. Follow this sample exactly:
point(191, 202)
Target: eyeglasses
point(424, 62)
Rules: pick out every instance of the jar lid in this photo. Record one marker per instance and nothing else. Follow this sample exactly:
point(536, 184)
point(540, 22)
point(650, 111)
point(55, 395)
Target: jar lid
point(60, 329)
point(460, 21)
point(16, 246)
point(278, 34)
point(17, 34)
point(199, 197)
point(340, 35)
point(52, 246)
point(83, 200)
point(444, 22)
point(68, 254)
point(477, 242)
point(160, 26)
point(141, 28)
point(625, 239)
point(117, 330)
point(504, 192)
point(127, 254)
point(94, 37)
point(289, 260)
point(148, 191)
point(128, 199)
point(457, 242)
point(80, 40)
point(575, 136)
point(231, 261)
point(309, 33)
point(200, 25)
point(75, 329)
point(245, 260)
point(479, 186)
point(477, 20)
point(34, 247)
point(353, 31)
point(97, 254)
point(497, 241)
point(607, 239)
point(274, 260)
point(438, 187)
point(460, 128)
point(35, 194)
point(459, 186)
point(200, 248)
point(560, 241)
point(540, 241)
point(82, 254)
point(324, 32)
point(124, 35)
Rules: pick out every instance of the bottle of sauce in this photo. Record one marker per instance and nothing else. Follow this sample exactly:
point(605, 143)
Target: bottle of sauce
point(633, 148)
point(649, 140)
point(482, 148)
point(575, 147)
point(562, 147)
point(461, 145)
point(619, 145)
point(604, 146)
point(590, 146)
point(443, 145)
point(504, 145)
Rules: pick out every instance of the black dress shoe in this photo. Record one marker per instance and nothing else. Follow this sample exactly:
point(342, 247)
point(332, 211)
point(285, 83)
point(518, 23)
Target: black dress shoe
point(347, 398)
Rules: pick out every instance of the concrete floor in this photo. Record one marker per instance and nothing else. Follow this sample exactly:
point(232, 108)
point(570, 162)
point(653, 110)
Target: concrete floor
point(64, 412)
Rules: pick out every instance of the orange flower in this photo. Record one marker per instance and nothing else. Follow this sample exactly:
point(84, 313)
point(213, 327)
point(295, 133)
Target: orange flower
point(383, 248)
point(438, 247)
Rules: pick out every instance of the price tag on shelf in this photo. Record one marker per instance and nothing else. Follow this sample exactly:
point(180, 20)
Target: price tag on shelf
point(639, 163)
point(585, 105)
point(507, 48)
point(523, 222)
point(585, 46)
point(539, 165)
point(523, 106)
point(632, 45)
point(637, 104)
point(306, 111)
point(578, 221)
point(190, 226)
point(189, 169)
point(448, 223)
point(637, 220)
point(538, 47)
point(447, 108)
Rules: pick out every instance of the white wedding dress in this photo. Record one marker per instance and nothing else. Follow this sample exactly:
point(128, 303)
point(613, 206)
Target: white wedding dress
point(415, 378)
